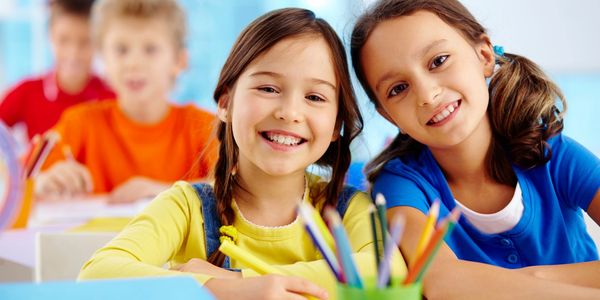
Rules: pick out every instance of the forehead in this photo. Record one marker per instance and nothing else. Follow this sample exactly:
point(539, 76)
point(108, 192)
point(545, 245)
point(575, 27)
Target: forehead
point(305, 55)
point(133, 28)
point(70, 21)
point(409, 35)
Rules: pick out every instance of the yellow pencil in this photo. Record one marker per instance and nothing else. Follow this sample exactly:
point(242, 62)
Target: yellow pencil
point(249, 260)
point(428, 229)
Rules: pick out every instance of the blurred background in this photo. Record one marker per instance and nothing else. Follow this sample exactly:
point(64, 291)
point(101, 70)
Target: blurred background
point(558, 35)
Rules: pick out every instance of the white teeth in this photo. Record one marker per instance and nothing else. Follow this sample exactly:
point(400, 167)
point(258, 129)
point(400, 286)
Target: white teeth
point(284, 139)
point(445, 113)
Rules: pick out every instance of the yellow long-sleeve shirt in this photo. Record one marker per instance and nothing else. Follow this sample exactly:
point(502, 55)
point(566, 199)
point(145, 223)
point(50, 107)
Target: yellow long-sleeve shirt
point(170, 230)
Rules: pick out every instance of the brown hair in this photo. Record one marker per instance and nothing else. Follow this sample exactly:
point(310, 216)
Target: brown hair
point(523, 108)
point(79, 8)
point(262, 34)
point(104, 11)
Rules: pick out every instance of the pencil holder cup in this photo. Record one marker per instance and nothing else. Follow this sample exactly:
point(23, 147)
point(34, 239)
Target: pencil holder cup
point(370, 291)
point(26, 204)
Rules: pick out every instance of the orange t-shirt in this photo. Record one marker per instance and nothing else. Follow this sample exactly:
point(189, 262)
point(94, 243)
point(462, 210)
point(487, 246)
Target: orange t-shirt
point(114, 148)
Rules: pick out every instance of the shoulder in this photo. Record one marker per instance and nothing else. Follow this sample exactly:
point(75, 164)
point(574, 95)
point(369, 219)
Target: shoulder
point(566, 149)
point(410, 181)
point(418, 168)
point(181, 195)
point(26, 85)
point(354, 196)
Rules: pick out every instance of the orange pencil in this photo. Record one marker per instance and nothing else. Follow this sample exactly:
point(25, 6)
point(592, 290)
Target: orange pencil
point(420, 266)
point(428, 229)
point(35, 158)
point(32, 147)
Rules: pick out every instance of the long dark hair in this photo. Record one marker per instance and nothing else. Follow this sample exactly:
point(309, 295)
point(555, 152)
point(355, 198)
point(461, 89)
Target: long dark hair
point(262, 34)
point(523, 108)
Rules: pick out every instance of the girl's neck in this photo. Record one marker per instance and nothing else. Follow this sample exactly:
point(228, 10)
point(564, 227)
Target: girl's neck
point(145, 112)
point(265, 199)
point(465, 167)
point(467, 161)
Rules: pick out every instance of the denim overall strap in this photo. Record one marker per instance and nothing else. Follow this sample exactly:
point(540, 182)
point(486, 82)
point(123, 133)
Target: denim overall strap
point(211, 221)
point(344, 199)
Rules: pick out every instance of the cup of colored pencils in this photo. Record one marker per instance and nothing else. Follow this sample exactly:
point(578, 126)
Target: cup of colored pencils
point(383, 285)
point(333, 243)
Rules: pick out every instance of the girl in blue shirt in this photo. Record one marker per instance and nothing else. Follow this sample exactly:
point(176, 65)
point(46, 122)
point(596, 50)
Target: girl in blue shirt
point(493, 149)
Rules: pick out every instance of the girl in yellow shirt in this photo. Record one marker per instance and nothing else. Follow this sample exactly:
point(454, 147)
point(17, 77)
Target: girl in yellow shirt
point(285, 103)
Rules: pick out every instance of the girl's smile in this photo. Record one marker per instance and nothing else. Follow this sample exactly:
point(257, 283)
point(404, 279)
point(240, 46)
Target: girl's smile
point(444, 114)
point(281, 140)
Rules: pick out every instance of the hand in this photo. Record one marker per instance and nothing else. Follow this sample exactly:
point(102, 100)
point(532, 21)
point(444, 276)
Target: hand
point(265, 287)
point(196, 265)
point(64, 178)
point(136, 188)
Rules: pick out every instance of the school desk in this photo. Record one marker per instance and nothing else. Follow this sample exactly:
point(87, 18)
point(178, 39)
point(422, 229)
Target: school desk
point(130, 289)
point(81, 225)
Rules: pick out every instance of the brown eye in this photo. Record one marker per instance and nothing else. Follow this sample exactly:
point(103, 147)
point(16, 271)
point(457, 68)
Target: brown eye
point(315, 98)
point(438, 61)
point(397, 90)
point(267, 89)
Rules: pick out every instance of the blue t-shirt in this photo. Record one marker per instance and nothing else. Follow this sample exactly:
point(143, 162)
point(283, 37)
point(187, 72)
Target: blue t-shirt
point(551, 230)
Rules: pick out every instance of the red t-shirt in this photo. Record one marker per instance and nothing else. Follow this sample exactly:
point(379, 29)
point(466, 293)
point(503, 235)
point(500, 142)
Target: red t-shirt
point(39, 102)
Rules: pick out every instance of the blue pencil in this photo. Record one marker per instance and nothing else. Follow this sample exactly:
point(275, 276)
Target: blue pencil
point(344, 250)
point(315, 235)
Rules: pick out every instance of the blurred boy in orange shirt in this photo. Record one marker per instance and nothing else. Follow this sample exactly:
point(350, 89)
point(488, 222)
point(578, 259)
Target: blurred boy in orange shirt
point(39, 101)
point(140, 144)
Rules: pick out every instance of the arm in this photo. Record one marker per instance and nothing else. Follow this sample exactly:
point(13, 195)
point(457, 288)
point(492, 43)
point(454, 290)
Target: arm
point(62, 175)
point(170, 228)
point(154, 237)
point(137, 188)
point(451, 278)
point(584, 274)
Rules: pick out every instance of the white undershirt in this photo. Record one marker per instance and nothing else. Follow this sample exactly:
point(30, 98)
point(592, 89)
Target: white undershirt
point(500, 221)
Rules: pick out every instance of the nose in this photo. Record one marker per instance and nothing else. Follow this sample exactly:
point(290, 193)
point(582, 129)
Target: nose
point(427, 91)
point(289, 109)
point(133, 58)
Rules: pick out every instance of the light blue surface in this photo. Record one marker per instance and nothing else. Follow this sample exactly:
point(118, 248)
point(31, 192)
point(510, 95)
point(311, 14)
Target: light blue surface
point(130, 289)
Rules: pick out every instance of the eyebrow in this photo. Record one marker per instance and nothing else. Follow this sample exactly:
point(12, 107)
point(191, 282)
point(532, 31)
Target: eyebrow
point(278, 75)
point(387, 76)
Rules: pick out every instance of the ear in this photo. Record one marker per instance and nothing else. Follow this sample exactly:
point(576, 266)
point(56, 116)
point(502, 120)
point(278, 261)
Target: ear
point(182, 60)
point(485, 51)
point(223, 106)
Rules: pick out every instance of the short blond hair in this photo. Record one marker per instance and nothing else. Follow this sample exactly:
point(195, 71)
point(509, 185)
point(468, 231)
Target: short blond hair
point(104, 11)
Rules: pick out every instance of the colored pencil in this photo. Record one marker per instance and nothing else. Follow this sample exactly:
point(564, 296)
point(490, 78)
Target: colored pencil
point(344, 249)
point(318, 240)
point(396, 231)
point(420, 267)
point(428, 229)
point(373, 217)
